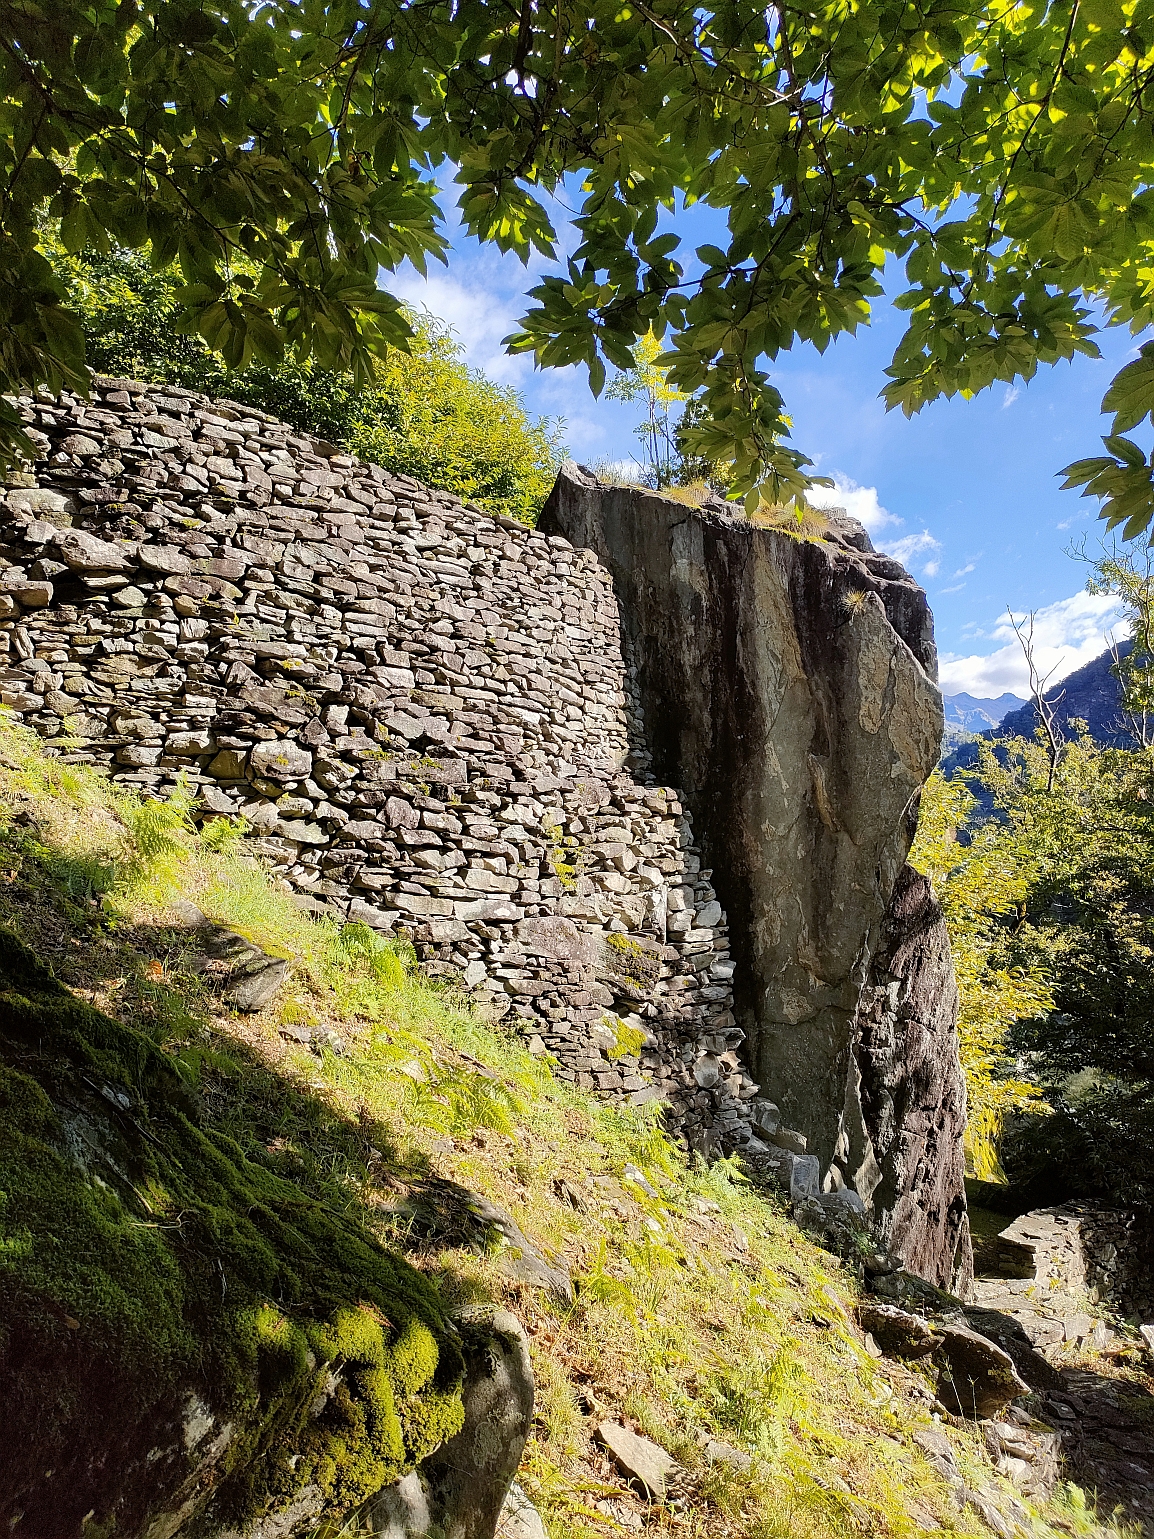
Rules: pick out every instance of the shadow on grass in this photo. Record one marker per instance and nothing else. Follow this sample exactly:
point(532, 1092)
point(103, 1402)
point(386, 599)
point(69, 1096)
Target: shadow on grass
point(191, 1237)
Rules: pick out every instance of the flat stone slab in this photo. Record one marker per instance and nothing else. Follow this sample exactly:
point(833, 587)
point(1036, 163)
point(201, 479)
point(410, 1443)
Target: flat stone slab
point(643, 1461)
point(978, 1379)
point(519, 1518)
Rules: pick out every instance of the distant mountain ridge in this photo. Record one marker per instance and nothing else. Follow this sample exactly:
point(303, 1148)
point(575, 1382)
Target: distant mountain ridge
point(968, 713)
point(1091, 694)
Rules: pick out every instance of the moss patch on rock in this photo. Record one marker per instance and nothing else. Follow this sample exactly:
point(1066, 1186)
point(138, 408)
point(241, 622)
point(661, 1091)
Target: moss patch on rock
point(178, 1321)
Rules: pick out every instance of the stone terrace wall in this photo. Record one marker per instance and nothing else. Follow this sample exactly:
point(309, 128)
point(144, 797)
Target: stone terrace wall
point(422, 711)
point(1074, 1254)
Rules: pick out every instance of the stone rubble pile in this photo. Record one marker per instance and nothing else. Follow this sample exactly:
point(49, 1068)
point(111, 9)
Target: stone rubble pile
point(422, 712)
point(1055, 1273)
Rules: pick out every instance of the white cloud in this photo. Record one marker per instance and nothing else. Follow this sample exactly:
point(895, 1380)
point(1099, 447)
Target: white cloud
point(482, 309)
point(1067, 634)
point(620, 470)
point(479, 318)
point(917, 550)
point(964, 571)
point(1011, 395)
point(860, 502)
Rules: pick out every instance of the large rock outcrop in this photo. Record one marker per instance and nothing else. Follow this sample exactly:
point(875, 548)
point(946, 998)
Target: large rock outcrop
point(576, 765)
point(912, 1094)
point(787, 685)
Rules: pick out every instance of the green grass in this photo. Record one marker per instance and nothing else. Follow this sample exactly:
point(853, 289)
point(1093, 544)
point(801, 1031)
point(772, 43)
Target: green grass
point(701, 1312)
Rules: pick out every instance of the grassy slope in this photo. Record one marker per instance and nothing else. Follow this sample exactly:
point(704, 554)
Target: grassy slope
point(701, 1313)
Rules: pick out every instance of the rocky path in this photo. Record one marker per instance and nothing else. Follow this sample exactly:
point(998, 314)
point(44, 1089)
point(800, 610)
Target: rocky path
point(1094, 1387)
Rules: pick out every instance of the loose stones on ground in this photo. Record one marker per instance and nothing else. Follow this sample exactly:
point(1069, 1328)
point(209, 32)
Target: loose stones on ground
point(642, 1460)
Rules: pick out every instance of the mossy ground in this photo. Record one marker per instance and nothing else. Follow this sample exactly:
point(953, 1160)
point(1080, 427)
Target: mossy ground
point(702, 1312)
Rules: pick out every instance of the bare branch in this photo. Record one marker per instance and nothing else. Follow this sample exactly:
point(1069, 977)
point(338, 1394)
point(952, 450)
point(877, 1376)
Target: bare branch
point(1044, 707)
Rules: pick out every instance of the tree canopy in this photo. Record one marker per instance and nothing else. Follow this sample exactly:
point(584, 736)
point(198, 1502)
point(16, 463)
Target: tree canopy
point(284, 156)
point(426, 414)
point(1049, 900)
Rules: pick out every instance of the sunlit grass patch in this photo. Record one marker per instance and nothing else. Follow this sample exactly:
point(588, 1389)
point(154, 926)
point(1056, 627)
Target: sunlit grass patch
point(701, 1312)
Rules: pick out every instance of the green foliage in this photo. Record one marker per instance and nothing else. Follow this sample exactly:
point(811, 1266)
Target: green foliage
point(648, 381)
point(566, 858)
point(1050, 907)
point(157, 836)
point(282, 157)
point(634, 963)
point(359, 940)
point(629, 1039)
point(701, 1311)
point(425, 413)
point(188, 1266)
point(431, 417)
point(1127, 574)
point(1091, 919)
point(982, 886)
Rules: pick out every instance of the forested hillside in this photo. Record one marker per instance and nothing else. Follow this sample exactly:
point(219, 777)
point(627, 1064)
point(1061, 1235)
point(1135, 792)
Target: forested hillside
point(425, 414)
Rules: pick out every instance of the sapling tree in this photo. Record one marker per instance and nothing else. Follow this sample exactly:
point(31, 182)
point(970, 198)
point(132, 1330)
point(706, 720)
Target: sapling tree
point(664, 405)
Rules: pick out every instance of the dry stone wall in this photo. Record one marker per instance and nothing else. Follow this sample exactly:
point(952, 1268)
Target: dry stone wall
point(422, 711)
point(1057, 1267)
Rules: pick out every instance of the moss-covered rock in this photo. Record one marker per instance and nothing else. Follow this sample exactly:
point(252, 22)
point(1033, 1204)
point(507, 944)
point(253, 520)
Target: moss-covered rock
point(185, 1336)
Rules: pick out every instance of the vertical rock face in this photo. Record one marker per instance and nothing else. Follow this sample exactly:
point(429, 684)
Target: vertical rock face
point(911, 1091)
point(788, 688)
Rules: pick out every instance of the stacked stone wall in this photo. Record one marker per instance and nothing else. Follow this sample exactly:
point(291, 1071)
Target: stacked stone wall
point(1079, 1252)
point(423, 713)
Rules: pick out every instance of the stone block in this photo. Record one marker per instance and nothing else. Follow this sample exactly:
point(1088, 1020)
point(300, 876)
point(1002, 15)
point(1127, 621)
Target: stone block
point(418, 903)
point(561, 940)
point(165, 559)
point(51, 507)
point(29, 594)
point(300, 831)
point(377, 918)
point(442, 931)
point(213, 799)
point(765, 1117)
point(486, 909)
point(84, 552)
point(229, 764)
point(281, 759)
point(189, 744)
point(645, 1462)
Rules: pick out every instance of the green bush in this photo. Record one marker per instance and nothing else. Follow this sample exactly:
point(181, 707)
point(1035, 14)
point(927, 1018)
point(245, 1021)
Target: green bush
point(428, 415)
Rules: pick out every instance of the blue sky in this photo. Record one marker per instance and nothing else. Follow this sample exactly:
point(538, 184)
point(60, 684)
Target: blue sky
point(966, 493)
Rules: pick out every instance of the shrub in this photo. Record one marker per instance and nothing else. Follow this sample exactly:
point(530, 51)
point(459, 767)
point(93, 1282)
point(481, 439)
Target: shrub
point(428, 415)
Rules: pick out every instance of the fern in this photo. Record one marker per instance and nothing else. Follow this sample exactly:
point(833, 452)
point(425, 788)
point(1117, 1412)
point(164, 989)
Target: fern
point(157, 838)
point(386, 960)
